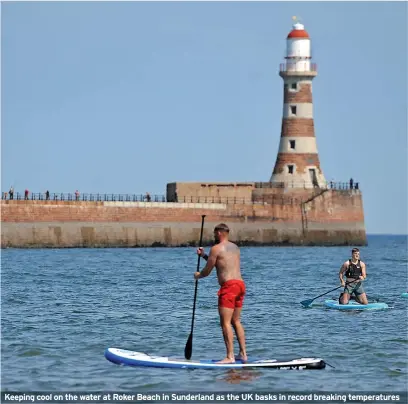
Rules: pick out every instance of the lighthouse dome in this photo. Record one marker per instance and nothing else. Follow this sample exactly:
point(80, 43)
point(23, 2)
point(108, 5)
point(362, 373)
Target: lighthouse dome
point(298, 31)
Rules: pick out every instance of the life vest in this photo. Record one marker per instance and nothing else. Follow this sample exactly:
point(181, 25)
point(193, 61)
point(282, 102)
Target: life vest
point(354, 270)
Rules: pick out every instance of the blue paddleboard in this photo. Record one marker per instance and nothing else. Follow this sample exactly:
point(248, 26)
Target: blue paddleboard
point(132, 358)
point(352, 305)
point(405, 294)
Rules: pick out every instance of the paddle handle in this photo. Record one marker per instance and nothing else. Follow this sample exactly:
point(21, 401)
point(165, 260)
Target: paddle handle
point(198, 269)
point(201, 241)
point(338, 287)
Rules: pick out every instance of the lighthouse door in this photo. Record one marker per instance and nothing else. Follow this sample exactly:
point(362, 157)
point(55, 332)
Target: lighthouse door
point(313, 178)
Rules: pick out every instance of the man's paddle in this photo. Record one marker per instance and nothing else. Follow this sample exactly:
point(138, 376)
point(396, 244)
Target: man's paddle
point(188, 350)
point(307, 303)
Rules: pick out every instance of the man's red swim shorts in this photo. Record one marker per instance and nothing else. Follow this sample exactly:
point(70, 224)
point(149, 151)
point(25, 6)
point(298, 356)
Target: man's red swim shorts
point(231, 294)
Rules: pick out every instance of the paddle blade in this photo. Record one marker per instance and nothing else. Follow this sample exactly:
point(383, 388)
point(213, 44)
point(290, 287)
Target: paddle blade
point(307, 303)
point(188, 350)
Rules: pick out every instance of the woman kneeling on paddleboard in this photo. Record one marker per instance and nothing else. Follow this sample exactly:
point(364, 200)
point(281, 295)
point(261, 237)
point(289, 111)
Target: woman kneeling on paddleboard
point(355, 271)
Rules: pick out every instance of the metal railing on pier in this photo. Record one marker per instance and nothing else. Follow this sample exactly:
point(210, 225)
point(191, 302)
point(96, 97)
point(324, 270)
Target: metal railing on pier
point(307, 185)
point(122, 198)
point(266, 199)
point(255, 199)
point(84, 197)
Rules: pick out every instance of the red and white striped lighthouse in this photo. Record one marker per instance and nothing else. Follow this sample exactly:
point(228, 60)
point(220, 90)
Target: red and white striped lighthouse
point(297, 164)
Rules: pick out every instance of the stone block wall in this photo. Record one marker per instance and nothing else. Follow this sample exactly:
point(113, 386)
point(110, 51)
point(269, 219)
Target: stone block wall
point(332, 218)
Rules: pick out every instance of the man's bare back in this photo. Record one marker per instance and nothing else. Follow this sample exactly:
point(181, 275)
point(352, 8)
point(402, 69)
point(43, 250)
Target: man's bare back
point(228, 261)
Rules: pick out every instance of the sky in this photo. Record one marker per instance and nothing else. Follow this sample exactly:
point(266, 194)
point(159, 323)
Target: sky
point(125, 97)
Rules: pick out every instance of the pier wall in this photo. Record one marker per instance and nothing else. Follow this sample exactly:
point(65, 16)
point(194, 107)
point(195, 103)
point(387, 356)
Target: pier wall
point(331, 218)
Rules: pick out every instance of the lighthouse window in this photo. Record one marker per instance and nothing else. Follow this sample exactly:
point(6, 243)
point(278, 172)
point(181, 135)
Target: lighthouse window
point(290, 169)
point(292, 144)
point(294, 86)
point(293, 109)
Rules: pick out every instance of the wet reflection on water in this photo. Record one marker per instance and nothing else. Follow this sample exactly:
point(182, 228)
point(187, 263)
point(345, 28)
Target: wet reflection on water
point(236, 376)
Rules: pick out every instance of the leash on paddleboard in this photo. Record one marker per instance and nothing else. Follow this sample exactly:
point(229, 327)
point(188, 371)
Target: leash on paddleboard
point(188, 349)
point(307, 303)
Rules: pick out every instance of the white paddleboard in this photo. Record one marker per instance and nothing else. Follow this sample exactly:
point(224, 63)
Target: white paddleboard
point(133, 358)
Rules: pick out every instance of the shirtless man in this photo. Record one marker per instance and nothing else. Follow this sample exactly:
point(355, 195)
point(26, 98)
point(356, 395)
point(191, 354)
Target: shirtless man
point(225, 256)
point(355, 271)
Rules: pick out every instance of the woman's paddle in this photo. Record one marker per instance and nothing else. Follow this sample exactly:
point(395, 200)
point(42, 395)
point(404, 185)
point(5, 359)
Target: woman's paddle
point(188, 350)
point(307, 303)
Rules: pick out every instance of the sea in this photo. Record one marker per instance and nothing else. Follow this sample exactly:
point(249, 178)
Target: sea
point(62, 308)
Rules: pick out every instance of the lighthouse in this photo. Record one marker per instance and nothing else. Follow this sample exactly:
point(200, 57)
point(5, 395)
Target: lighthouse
point(297, 164)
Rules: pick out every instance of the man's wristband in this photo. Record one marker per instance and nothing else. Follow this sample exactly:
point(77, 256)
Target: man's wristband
point(205, 256)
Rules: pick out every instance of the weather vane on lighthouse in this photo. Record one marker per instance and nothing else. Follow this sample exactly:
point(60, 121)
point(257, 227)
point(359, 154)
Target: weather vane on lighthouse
point(296, 19)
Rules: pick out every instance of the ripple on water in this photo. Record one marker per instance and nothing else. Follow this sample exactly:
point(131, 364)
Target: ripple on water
point(30, 352)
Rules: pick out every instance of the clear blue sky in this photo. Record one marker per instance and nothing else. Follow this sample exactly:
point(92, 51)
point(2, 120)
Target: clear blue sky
point(126, 97)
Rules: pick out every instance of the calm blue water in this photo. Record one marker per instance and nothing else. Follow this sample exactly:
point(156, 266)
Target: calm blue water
point(62, 308)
